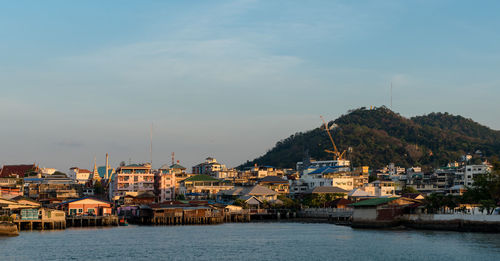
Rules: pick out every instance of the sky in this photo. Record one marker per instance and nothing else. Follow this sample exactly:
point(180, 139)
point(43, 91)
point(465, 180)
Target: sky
point(228, 79)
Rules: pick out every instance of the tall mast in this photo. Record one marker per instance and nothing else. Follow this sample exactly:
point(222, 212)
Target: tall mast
point(151, 147)
point(391, 95)
point(107, 168)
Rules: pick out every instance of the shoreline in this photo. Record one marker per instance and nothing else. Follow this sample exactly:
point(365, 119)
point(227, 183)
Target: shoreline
point(8, 229)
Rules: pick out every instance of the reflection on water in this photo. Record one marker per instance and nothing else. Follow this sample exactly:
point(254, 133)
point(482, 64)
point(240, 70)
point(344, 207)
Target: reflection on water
point(250, 241)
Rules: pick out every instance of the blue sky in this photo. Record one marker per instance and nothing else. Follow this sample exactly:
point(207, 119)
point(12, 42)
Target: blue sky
point(228, 78)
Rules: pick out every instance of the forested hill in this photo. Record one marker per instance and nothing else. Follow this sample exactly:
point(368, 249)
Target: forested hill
point(379, 136)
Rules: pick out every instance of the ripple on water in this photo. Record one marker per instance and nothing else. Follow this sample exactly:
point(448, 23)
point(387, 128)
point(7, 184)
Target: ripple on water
point(248, 241)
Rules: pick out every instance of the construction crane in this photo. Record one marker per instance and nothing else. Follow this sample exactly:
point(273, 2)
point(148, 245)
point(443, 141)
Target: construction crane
point(336, 153)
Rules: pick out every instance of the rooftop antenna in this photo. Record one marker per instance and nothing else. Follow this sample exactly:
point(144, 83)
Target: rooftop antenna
point(173, 158)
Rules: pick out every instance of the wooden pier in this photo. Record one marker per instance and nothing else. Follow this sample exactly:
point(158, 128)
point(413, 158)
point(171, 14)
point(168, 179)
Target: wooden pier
point(91, 221)
point(40, 224)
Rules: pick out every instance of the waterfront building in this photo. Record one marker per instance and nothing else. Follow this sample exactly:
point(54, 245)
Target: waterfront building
point(203, 186)
point(86, 206)
point(378, 211)
point(165, 182)
point(132, 178)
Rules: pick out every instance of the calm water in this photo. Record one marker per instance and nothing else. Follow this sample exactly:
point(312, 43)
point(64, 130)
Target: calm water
point(248, 241)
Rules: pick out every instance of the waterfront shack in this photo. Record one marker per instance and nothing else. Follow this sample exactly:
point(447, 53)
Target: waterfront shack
point(86, 206)
point(379, 212)
point(40, 218)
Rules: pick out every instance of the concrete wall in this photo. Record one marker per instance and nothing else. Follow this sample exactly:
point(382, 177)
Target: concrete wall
point(449, 217)
point(360, 214)
point(325, 212)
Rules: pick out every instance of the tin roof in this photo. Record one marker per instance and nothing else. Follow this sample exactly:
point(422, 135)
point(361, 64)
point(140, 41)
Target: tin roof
point(373, 202)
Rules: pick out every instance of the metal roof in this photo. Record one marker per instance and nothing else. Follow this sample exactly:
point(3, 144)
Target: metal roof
point(373, 202)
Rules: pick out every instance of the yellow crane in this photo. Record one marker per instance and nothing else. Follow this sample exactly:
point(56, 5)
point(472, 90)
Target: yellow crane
point(336, 153)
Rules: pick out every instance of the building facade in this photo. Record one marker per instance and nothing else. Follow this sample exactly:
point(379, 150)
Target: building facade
point(133, 178)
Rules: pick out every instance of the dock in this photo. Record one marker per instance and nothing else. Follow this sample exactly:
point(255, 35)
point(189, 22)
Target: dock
point(40, 224)
point(91, 221)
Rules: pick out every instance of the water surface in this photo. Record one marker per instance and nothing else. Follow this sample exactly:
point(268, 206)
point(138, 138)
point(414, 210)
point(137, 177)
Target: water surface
point(248, 241)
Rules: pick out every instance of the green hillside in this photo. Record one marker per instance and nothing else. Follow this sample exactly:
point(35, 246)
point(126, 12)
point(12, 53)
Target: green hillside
point(379, 136)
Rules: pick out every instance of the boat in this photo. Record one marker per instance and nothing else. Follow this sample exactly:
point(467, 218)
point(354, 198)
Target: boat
point(122, 222)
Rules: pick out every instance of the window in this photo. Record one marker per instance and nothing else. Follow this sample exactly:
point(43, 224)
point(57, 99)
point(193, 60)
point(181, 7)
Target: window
point(80, 210)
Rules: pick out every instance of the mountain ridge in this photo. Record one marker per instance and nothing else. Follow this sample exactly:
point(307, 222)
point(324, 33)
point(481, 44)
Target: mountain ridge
point(375, 137)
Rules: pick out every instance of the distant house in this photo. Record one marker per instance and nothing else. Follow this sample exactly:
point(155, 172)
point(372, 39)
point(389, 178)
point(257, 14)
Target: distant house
point(146, 197)
point(209, 167)
point(257, 192)
point(327, 190)
point(80, 176)
point(176, 168)
point(413, 196)
point(379, 211)
point(203, 186)
point(27, 201)
point(86, 206)
point(18, 171)
point(276, 183)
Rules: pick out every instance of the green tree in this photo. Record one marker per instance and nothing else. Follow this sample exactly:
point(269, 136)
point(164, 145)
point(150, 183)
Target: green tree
point(60, 173)
point(407, 190)
point(488, 205)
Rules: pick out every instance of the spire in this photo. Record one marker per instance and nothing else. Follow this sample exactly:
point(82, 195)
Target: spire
point(106, 175)
point(96, 173)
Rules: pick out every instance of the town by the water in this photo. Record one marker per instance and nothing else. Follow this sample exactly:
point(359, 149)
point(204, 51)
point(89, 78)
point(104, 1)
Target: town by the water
point(453, 197)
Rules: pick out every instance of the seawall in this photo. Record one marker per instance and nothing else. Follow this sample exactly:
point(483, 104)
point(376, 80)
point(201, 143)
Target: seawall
point(487, 224)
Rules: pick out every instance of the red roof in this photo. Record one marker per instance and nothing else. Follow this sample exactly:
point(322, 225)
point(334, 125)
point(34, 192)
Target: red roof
point(83, 171)
point(13, 170)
